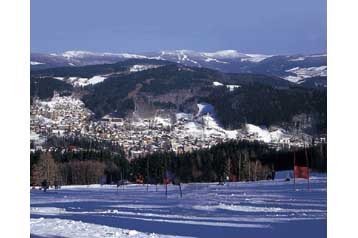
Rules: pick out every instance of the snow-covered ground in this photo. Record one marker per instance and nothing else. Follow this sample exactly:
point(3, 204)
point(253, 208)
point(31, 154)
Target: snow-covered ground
point(35, 63)
point(242, 209)
point(141, 67)
point(264, 134)
point(78, 82)
point(231, 87)
point(206, 124)
point(232, 54)
point(302, 73)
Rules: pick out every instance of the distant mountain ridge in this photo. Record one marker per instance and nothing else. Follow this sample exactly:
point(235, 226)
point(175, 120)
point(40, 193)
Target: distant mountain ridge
point(294, 68)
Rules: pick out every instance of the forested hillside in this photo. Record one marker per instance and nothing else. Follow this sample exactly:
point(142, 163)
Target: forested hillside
point(92, 70)
point(45, 87)
point(265, 105)
point(257, 99)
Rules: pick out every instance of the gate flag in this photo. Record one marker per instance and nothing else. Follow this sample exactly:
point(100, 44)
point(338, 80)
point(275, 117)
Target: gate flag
point(301, 172)
point(169, 177)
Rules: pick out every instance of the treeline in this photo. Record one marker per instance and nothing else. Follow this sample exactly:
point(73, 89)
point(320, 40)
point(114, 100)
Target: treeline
point(284, 160)
point(81, 167)
point(234, 161)
point(88, 163)
point(73, 172)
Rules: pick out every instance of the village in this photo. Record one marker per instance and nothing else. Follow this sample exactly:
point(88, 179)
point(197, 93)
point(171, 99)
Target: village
point(66, 116)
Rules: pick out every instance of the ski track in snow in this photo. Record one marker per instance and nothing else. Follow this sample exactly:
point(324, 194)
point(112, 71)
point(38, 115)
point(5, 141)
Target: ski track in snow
point(242, 209)
point(69, 228)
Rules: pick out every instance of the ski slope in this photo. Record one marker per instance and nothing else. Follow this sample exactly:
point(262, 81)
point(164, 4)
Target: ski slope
point(243, 209)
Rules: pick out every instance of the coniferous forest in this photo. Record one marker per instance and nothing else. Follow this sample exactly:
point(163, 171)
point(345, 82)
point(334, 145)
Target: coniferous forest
point(230, 161)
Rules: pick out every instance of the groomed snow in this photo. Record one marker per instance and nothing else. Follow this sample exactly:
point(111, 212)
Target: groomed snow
point(241, 209)
point(78, 229)
point(206, 124)
point(264, 134)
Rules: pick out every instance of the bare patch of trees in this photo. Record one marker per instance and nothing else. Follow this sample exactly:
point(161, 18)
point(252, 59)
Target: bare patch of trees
point(73, 172)
point(45, 169)
point(81, 172)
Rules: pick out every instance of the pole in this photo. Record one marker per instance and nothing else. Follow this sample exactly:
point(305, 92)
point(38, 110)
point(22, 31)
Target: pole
point(166, 189)
point(239, 175)
point(165, 177)
point(308, 171)
point(147, 174)
point(181, 194)
point(294, 175)
point(122, 177)
point(249, 169)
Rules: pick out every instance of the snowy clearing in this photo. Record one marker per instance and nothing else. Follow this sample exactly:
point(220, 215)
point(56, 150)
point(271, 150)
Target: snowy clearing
point(302, 73)
point(264, 134)
point(78, 82)
point(142, 67)
point(231, 87)
point(217, 84)
point(35, 63)
point(241, 209)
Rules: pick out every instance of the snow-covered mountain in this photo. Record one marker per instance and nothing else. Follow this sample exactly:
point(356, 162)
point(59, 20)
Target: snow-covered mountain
point(294, 68)
point(78, 58)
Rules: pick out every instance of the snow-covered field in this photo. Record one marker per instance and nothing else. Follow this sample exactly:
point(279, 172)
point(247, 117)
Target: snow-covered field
point(302, 73)
point(77, 81)
point(141, 67)
point(243, 209)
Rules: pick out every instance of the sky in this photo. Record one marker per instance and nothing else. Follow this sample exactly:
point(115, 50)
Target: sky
point(249, 26)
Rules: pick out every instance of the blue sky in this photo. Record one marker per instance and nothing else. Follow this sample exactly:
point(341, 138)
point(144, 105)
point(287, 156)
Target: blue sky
point(250, 26)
